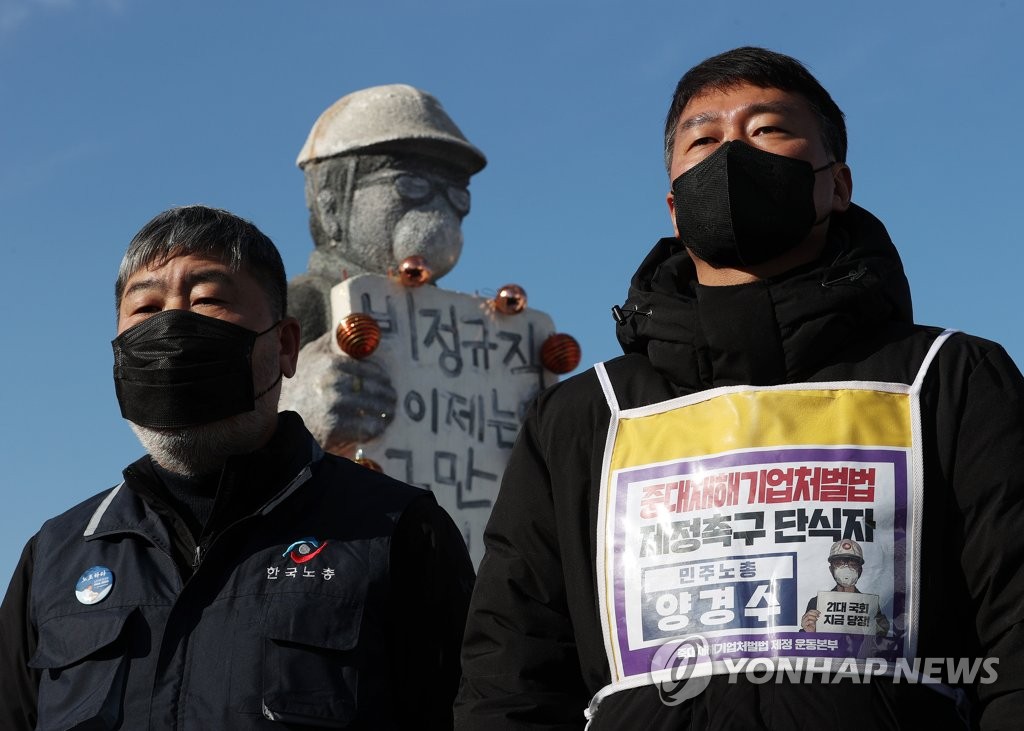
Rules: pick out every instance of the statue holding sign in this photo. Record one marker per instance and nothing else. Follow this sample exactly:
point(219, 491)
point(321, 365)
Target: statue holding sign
point(424, 383)
point(373, 162)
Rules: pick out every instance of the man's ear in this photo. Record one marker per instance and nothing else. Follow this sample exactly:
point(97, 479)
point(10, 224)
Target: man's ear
point(843, 193)
point(289, 339)
point(670, 199)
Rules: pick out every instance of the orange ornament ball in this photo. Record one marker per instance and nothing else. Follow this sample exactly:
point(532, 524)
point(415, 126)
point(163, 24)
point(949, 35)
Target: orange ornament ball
point(368, 464)
point(560, 353)
point(414, 272)
point(358, 335)
point(362, 459)
point(510, 300)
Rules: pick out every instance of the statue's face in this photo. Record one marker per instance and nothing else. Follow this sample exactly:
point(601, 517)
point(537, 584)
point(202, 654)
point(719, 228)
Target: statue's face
point(407, 208)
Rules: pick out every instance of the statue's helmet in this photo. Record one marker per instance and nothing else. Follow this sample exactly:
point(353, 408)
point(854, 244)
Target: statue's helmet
point(395, 118)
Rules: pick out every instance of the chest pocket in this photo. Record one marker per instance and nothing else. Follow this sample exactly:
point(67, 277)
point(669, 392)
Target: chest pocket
point(311, 661)
point(84, 661)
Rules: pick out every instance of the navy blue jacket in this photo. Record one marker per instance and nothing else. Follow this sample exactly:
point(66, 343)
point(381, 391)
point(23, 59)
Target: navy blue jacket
point(357, 626)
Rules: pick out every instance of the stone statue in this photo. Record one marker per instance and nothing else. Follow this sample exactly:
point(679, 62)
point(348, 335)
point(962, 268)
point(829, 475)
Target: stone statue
point(387, 174)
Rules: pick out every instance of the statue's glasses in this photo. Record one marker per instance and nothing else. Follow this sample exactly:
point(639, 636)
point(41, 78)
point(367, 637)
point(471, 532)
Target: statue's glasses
point(418, 189)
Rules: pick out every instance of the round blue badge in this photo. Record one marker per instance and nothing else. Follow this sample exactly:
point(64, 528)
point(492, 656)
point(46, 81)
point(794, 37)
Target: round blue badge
point(94, 585)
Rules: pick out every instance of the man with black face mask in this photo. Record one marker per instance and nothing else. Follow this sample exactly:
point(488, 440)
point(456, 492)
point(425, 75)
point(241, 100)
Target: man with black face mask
point(238, 577)
point(661, 516)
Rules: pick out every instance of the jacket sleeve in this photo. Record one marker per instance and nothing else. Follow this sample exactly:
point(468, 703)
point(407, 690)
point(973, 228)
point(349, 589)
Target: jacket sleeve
point(431, 572)
point(988, 478)
point(19, 684)
point(520, 664)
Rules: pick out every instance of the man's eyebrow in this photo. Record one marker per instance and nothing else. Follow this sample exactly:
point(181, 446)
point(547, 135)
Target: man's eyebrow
point(209, 276)
point(776, 107)
point(698, 120)
point(144, 285)
point(192, 279)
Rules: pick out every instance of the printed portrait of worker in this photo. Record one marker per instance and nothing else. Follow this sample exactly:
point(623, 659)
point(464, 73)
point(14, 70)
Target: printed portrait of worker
point(828, 612)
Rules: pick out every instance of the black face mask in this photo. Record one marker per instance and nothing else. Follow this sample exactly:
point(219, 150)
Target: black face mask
point(178, 368)
point(742, 206)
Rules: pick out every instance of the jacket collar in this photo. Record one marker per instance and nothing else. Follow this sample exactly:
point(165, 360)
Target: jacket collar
point(772, 331)
point(249, 484)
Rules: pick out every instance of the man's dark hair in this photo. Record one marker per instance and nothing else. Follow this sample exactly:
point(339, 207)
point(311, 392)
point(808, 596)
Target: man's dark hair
point(764, 68)
point(213, 233)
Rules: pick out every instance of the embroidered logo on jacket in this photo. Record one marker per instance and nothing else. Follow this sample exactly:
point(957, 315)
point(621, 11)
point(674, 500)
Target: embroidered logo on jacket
point(302, 552)
point(305, 550)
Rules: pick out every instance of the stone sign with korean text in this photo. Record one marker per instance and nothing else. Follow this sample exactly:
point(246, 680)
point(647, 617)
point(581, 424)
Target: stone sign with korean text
point(464, 375)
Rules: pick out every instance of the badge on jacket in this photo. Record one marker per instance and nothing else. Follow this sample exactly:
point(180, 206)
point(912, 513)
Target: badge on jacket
point(94, 585)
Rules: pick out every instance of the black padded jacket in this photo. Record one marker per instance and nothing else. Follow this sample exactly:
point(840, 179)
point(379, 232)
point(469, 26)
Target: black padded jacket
point(534, 655)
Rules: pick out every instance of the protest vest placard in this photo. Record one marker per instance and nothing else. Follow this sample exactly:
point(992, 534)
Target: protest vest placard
point(718, 511)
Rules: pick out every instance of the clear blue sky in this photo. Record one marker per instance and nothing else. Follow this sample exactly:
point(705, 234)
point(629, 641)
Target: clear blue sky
point(113, 110)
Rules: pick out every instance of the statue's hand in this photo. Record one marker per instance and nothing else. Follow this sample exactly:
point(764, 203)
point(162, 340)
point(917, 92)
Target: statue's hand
point(343, 401)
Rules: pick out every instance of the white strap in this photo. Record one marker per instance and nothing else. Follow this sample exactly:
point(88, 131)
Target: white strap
point(97, 516)
point(606, 386)
point(928, 358)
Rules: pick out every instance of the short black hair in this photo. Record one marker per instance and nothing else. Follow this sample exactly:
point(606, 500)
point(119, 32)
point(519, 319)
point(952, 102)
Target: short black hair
point(764, 68)
point(213, 233)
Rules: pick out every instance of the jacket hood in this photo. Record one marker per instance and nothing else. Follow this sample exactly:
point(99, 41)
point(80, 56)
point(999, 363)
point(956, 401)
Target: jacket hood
point(775, 330)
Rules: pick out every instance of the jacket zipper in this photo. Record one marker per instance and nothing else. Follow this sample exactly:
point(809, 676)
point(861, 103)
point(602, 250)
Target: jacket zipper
point(202, 550)
point(198, 558)
point(851, 276)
